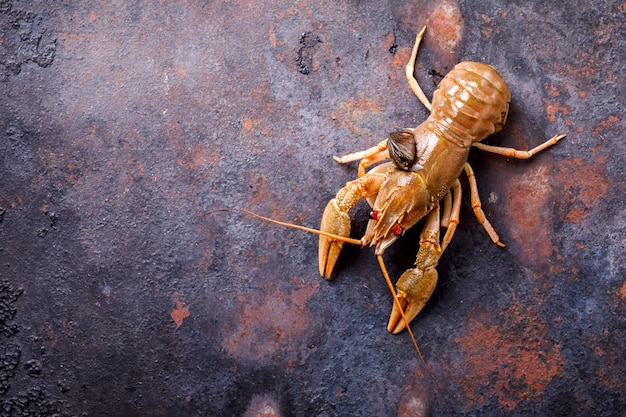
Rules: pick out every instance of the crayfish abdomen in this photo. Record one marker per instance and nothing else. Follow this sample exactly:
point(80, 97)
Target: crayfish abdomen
point(471, 103)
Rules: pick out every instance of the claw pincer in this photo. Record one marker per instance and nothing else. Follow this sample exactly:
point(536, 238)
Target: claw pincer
point(336, 220)
point(416, 285)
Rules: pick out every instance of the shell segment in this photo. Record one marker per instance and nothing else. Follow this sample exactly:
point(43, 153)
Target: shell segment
point(471, 103)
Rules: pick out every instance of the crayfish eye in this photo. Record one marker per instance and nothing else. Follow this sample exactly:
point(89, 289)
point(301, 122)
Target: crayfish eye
point(396, 229)
point(402, 149)
point(374, 215)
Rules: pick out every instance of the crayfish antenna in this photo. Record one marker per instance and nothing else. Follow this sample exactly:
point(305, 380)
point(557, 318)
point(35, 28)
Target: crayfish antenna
point(344, 239)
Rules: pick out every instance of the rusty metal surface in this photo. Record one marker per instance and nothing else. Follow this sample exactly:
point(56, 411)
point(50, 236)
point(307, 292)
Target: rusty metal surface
point(122, 122)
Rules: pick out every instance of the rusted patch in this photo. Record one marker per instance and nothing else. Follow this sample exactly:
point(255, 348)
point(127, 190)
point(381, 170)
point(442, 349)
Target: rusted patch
point(269, 322)
point(360, 115)
point(179, 313)
point(415, 401)
point(517, 360)
point(200, 157)
point(622, 291)
point(444, 33)
point(583, 195)
point(611, 121)
point(446, 27)
point(609, 348)
point(290, 28)
point(487, 29)
point(527, 203)
point(553, 103)
point(400, 59)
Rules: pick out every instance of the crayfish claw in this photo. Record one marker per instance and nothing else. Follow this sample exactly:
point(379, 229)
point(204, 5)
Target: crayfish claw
point(335, 221)
point(414, 289)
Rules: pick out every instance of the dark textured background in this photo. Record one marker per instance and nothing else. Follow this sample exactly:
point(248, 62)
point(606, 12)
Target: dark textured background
point(121, 122)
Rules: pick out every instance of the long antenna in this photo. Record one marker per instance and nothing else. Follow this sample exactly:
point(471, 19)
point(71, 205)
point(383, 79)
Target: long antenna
point(357, 242)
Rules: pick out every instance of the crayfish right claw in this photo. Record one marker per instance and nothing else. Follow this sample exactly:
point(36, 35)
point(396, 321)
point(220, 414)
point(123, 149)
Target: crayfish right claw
point(335, 221)
point(415, 287)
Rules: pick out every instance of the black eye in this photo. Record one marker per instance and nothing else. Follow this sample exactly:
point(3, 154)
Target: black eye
point(402, 149)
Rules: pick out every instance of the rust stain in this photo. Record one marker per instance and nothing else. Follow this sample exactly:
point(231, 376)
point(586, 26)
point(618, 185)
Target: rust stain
point(269, 322)
point(179, 313)
point(254, 125)
point(584, 195)
point(609, 349)
point(362, 116)
point(622, 291)
point(415, 397)
point(553, 105)
point(401, 58)
point(487, 30)
point(588, 63)
point(390, 41)
point(443, 35)
point(199, 156)
point(527, 204)
point(514, 362)
point(606, 124)
point(447, 27)
point(281, 33)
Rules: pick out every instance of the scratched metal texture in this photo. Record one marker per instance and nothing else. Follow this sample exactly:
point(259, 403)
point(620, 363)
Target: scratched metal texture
point(122, 122)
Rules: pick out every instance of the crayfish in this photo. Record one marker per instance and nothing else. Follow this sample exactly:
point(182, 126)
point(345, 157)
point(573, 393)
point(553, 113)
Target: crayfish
point(421, 180)
point(470, 103)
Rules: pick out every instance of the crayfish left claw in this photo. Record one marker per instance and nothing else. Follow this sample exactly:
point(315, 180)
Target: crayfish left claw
point(335, 221)
point(414, 289)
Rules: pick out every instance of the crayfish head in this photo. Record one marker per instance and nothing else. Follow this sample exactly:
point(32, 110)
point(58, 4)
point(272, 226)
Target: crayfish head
point(402, 200)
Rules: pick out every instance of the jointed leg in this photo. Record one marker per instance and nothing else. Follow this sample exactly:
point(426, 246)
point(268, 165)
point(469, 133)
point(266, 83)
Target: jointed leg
point(514, 153)
point(368, 157)
point(451, 220)
point(477, 207)
point(416, 285)
point(410, 68)
point(446, 210)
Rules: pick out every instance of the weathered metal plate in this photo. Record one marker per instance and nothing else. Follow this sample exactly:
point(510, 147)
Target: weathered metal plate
point(121, 123)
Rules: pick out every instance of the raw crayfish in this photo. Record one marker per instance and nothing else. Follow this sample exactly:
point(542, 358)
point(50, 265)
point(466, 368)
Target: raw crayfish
point(470, 103)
